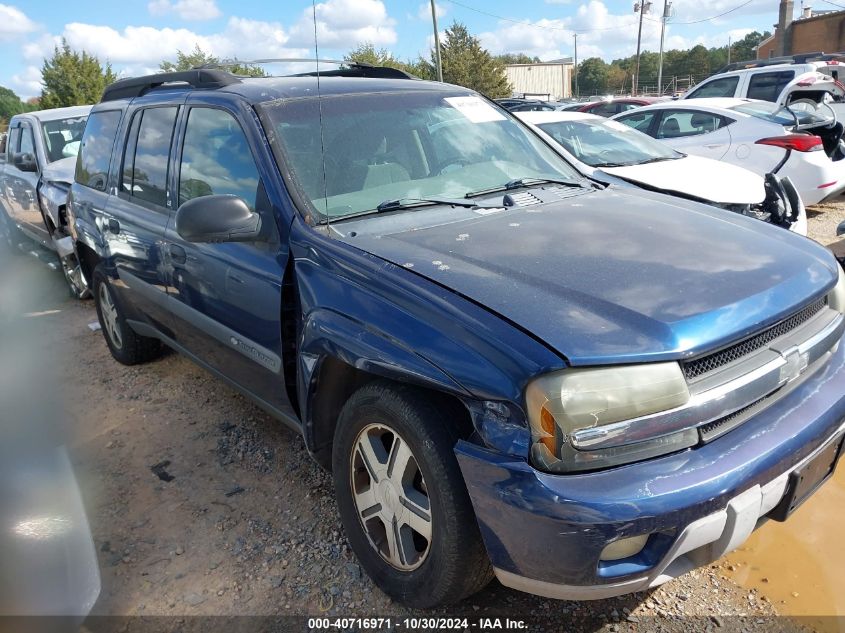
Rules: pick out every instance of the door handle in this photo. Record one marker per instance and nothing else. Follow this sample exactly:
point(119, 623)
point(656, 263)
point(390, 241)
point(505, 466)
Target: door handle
point(114, 226)
point(178, 254)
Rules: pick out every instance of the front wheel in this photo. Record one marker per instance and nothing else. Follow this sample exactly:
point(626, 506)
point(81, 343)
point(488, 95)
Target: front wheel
point(74, 276)
point(402, 498)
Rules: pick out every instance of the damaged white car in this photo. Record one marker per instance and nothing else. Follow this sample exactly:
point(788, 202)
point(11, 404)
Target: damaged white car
point(611, 152)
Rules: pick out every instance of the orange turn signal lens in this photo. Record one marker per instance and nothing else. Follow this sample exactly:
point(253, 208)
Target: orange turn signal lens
point(549, 426)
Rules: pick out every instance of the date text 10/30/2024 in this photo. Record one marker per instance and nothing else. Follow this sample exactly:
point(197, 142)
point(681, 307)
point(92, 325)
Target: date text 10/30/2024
point(416, 624)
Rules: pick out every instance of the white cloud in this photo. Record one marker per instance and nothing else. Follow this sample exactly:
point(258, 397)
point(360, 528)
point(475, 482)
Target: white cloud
point(194, 10)
point(14, 22)
point(688, 10)
point(344, 23)
point(424, 11)
point(27, 83)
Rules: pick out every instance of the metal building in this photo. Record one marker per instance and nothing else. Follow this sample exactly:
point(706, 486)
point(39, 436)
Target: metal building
point(553, 78)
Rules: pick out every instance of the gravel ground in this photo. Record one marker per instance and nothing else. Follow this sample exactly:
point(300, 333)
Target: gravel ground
point(200, 504)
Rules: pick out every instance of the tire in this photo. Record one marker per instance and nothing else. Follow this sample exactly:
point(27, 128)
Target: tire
point(380, 420)
point(125, 345)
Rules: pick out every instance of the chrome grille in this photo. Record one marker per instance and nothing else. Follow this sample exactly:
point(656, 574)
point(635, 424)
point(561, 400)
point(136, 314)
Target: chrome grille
point(705, 364)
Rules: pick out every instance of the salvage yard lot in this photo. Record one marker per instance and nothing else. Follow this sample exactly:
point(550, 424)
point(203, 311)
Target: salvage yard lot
point(200, 504)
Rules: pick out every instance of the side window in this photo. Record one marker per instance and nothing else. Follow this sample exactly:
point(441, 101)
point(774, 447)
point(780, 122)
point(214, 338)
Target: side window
point(216, 158)
point(638, 120)
point(723, 87)
point(768, 86)
point(92, 167)
point(624, 107)
point(14, 140)
point(147, 153)
point(682, 123)
point(605, 109)
point(27, 141)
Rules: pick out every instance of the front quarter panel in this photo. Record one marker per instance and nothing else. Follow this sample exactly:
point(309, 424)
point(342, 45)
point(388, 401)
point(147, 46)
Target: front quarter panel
point(389, 321)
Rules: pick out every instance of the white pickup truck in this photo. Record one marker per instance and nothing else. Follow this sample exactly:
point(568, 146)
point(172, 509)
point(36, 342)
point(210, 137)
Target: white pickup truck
point(36, 168)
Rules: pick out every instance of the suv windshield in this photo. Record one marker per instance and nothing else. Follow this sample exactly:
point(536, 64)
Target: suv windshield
point(607, 143)
point(409, 144)
point(776, 114)
point(62, 137)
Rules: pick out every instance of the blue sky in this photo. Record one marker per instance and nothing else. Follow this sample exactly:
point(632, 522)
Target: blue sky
point(136, 35)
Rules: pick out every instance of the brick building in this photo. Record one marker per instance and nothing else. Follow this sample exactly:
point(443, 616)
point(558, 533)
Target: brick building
point(813, 31)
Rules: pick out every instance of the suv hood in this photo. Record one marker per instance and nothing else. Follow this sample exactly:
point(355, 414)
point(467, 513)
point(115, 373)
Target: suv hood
point(694, 176)
point(609, 276)
point(60, 171)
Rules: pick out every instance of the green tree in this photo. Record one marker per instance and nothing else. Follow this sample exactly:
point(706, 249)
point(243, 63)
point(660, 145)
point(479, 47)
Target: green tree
point(198, 57)
point(11, 104)
point(746, 48)
point(72, 78)
point(592, 76)
point(366, 53)
point(467, 63)
point(517, 58)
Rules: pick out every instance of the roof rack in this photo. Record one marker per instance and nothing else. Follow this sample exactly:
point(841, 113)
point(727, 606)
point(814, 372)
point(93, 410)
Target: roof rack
point(197, 78)
point(361, 69)
point(803, 58)
point(352, 68)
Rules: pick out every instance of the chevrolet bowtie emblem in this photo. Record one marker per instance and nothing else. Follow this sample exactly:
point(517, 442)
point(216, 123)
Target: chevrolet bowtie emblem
point(796, 363)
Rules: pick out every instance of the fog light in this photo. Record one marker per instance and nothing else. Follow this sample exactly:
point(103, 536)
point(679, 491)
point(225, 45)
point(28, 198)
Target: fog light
point(624, 548)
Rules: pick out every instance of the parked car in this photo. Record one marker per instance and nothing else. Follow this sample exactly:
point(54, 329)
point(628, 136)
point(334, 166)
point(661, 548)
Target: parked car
point(533, 106)
point(509, 369)
point(773, 79)
point(614, 153)
point(35, 175)
point(762, 137)
point(615, 106)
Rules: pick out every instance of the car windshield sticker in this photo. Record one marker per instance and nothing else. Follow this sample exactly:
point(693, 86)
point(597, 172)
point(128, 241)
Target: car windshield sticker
point(475, 109)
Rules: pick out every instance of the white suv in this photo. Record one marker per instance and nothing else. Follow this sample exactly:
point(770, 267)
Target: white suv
point(776, 82)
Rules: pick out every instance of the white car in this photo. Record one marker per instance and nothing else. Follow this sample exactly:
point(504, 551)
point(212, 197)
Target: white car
point(763, 137)
point(613, 153)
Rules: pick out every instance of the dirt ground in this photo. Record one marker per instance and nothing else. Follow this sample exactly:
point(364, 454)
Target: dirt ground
point(200, 504)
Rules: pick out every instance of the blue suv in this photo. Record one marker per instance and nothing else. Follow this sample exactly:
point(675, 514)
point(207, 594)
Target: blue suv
point(509, 369)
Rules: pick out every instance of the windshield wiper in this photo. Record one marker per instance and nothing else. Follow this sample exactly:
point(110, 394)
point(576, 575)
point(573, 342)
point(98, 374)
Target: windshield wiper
point(655, 160)
point(518, 183)
point(407, 203)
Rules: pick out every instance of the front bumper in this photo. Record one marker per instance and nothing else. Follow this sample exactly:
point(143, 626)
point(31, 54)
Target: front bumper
point(545, 533)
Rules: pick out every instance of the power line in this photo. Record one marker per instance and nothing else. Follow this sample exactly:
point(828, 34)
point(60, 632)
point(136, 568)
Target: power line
point(834, 4)
point(610, 28)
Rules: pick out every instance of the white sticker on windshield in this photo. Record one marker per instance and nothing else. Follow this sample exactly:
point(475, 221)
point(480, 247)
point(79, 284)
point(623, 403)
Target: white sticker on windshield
point(475, 109)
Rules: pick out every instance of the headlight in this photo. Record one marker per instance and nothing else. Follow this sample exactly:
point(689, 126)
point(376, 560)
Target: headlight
point(564, 402)
point(836, 297)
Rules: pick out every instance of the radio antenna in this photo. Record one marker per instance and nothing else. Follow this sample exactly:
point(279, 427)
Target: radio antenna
point(320, 112)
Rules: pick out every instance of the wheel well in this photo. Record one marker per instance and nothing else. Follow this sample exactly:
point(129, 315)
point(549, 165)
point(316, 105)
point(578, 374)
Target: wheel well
point(88, 260)
point(336, 381)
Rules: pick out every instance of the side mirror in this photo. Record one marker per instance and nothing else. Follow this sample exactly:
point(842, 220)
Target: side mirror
point(25, 162)
point(218, 218)
point(840, 230)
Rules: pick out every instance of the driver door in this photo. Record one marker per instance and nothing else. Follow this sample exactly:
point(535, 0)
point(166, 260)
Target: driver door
point(227, 296)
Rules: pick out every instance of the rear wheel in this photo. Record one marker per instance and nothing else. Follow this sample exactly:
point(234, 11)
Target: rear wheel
point(125, 344)
point(402, 498)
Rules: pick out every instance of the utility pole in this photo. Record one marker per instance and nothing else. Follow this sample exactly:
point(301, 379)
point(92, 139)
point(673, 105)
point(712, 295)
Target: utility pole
point(729, 49)
point(576, 64)
point(667, 6)
point(641, 6)
point(436, 43)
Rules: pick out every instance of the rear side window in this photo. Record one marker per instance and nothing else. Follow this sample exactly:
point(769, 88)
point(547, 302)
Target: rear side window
point(768, 86)
point(92, 168)
point(681, 123)
point(147, 154)
point(724, 87)
point(605, 109)
point(216, 158)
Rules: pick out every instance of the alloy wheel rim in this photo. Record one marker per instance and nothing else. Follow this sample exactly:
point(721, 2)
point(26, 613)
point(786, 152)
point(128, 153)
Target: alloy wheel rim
point(109, 312)
point(391, 497)
point(74, 276)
